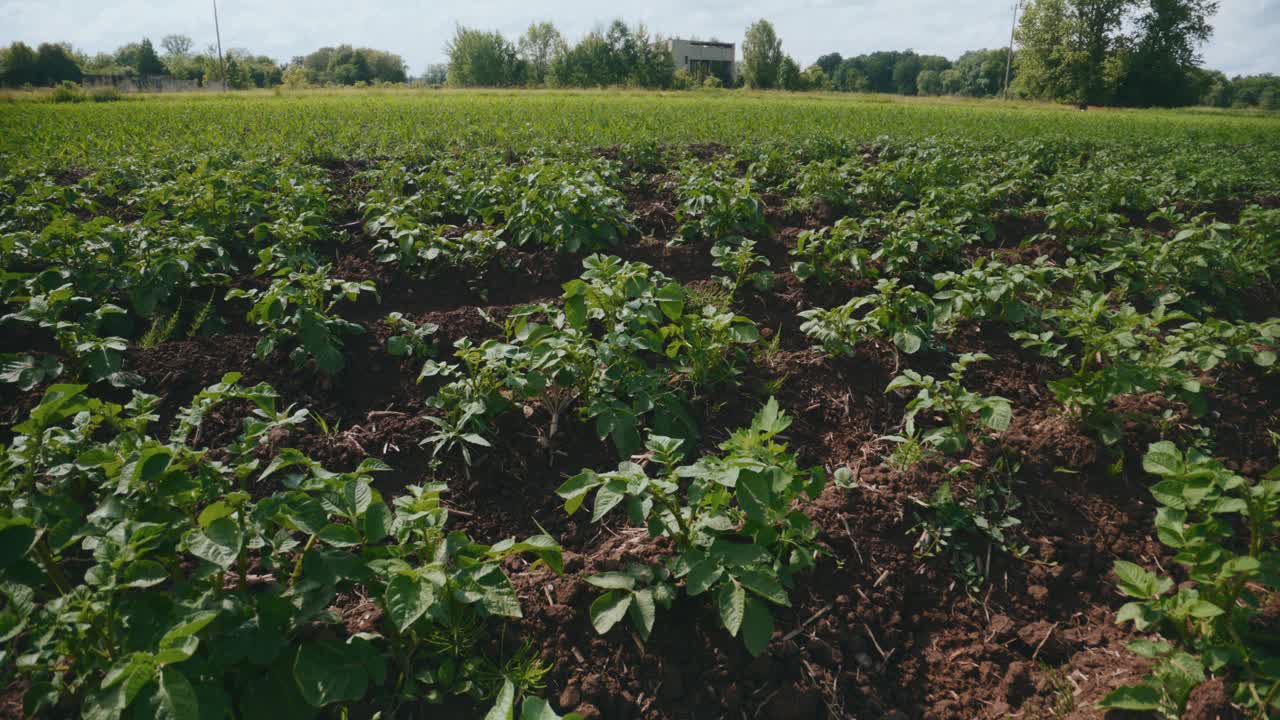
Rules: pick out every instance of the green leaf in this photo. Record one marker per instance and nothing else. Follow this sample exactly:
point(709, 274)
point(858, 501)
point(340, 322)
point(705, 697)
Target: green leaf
point(177, 697)
point(733, 602)
point(763, 583)
point(16, 538)
point(504, 707)
point(1137, 582)
point(998, 414)
point(575, 311)
point(214, 511)
point(607, 498)
point(407, 599)
point(327, 672)
point(608, 610)
point(339, 535)
point(612, 581)
point(539, 709)
point(757, 627)
point(670, 300)
point(702, 575)
point(219, 543)
point(320, 343)
point(1131, 697)
point(575, 490)
point(1163, 458)
point(643, 611)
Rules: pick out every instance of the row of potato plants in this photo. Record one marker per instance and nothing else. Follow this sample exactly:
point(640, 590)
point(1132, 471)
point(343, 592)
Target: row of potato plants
point(626, 348)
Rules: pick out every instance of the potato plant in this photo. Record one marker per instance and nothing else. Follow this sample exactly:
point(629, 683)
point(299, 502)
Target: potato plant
point(143, 578)
point(1220, 525)
point(736, 533)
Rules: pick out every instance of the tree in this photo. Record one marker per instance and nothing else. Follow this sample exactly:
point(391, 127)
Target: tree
point(147, 61)
point(789, 76)
point(294, 77)
point(436, 74)
point(978, 73)
point(830, 63)
point(929, 82)
point(478, 58)
point(1096, 23)
point(1048, 55)
point(905, 72)
point(539, 45)
point(761, 56)
point(1166, 53)
point(815, 78)
point(176, 46)
point(56, 63)
point(19, 66)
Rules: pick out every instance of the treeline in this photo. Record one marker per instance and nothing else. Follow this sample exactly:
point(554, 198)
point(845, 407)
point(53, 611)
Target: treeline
point(1139, 53)
point(978, 73)
point(619, 55)
point(54, 63)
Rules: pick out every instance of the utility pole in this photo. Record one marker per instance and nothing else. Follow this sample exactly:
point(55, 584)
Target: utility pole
point(1008, 63)
point(218, 32)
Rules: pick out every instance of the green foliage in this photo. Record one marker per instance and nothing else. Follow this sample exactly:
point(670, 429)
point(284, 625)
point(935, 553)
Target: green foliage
point(966, 530)
point(901, 314)
point(1220, 526)
point(295, 313)
point(957, 405)
point(715, 205)
point(735, 531)
point(627, 345)
point(151, 579)
point(568, 207)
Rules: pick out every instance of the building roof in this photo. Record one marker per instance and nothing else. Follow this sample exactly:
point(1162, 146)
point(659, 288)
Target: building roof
point(708, 43)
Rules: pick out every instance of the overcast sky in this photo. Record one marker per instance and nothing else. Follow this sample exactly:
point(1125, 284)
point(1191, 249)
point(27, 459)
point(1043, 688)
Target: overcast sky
point(1247, 38)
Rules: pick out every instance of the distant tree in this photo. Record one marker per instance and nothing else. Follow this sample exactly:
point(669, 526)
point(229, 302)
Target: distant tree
point(176, 45)
point(929, 82)
point(478, 58)
point(238, 77)
point(982, 72)
point(539, 45)
point(815, 78)
point(436, 74)
point(830, 63)
point(1047, 56)
point(761, 56)
point(905, 72)
point(1097, 23)
point(789, 76)
point(294, 77)
point(147, 62)
point(1166, 53)
point(57, 64)
point(19, 66)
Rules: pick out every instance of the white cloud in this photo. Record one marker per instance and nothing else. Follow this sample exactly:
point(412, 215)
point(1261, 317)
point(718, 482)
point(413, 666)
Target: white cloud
point(1245, 41)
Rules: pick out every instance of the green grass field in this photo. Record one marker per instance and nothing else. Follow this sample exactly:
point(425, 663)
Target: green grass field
point(357, 124)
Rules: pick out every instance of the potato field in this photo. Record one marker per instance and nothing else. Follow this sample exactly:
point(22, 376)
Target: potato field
point(637, 406)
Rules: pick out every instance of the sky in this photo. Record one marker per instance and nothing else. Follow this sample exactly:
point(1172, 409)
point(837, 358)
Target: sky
point(1246, 41)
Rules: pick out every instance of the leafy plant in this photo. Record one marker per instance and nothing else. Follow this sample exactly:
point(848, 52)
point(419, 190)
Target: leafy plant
point(715, 205)
point(1220, 525)
point(141, 577)
point(732, 521)
point(966, 530)
point(896, 312)
point(958, 406)
point(740, 261)
point(295, 310)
